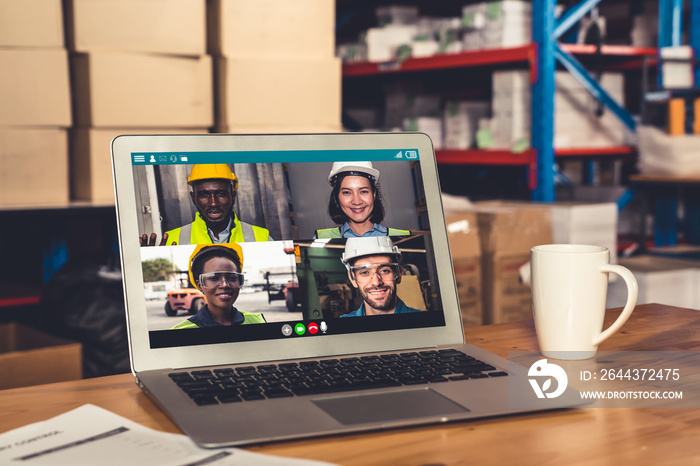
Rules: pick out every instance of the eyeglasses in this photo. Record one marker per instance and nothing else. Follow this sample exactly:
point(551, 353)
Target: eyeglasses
point(386, 272)
point(212, 279)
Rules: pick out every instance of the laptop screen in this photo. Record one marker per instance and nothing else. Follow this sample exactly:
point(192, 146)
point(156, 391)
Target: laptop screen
point(241, 248)
point(290, 214)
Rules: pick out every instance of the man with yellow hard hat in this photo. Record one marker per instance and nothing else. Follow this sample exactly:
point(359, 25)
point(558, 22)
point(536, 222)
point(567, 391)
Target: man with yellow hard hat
point(213, 190)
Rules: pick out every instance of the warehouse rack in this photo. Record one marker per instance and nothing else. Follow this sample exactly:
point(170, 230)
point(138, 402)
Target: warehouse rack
point(542, 57)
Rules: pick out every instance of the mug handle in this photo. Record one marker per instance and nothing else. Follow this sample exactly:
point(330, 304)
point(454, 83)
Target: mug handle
point(632, 292)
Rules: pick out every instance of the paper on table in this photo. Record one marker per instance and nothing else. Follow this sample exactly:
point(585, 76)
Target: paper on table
point(91, 435)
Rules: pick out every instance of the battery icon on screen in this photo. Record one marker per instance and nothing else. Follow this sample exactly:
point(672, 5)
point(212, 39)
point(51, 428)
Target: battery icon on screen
point(183, 158)
point(411, 154)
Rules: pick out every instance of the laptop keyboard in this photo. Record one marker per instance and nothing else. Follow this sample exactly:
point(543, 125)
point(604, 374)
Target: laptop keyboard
point(249, 383)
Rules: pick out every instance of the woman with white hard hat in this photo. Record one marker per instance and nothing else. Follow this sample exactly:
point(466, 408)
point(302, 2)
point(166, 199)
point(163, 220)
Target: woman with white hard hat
point(356, 203)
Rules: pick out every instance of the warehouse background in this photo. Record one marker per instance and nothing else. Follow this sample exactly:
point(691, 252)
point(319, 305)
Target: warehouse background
point(605, 135)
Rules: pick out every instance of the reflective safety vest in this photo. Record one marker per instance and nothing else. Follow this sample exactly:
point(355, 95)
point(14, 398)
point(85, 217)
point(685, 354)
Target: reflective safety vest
point(248, 318)
point(198, 233)
point(335, 233)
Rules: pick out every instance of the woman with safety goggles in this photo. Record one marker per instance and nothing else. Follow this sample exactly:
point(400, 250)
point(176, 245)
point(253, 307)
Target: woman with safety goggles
point(216, 271)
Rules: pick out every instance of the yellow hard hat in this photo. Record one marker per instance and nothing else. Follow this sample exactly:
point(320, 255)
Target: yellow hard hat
point(200, 247)
point(212, 171)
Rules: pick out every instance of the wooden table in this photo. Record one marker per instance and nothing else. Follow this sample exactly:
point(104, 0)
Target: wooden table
point(589, 436)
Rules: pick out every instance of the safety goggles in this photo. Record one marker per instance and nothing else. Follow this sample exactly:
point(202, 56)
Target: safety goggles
point(386, 272)
point(213, 279)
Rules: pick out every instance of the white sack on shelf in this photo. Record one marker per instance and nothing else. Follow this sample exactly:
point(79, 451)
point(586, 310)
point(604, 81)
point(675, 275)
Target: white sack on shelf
point(662, 154)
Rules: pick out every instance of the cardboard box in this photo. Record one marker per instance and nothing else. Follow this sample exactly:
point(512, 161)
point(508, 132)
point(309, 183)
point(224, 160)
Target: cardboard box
point(383, 43)
point(122, 90)
point(29, 357)
point(272, 28)
point(155, 26)
point(661, 280)
point(410, 292)
point(461, 122)
point(468, 278)
point(31, 23)
point(506, 298)
point(289, 128)
point(278, 92)
point(463, 235)
point(507, 232)
point(432, 126)
point(34, 165)
point(90, 160)
point(577, 222)
point(34, 87)
point(506, 227)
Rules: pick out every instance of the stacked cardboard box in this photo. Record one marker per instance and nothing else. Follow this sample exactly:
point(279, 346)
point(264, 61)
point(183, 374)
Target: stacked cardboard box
point(580, 223)
point(384, 44)
point(577, 222)
point(275, 66)
point(506, 23)
point(432, 126)
point(409, 101)
point(576, 124)
point(511, 105)
point(463, 234)
point(126, 78)
point(461, 122)
point(507, 233)
point(35, 111)
point(661, 280)
point(29, 357)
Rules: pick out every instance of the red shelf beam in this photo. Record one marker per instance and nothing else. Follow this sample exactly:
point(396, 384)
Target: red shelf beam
point(619, 151)
point(19, 301)
point(526, 158)
point(526, 53)
point(630, 57)
point(618, 57)
point(617, 50)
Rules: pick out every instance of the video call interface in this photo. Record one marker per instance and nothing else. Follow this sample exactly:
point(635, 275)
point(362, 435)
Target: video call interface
point(313, 244)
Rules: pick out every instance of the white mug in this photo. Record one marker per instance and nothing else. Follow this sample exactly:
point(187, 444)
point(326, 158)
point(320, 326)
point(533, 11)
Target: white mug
point(569, 290)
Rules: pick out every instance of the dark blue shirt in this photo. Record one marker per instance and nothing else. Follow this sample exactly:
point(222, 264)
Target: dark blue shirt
point(203, 318)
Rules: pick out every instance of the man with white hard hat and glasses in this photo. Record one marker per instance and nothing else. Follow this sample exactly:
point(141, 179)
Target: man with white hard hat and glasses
point(374, 268)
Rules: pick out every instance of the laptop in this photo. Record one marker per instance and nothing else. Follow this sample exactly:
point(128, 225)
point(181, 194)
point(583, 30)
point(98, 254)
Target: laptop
point(316, 362)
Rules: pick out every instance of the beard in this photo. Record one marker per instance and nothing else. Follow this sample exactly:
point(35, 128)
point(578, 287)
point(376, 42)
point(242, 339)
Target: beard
point(215, 225)
point(386, 304)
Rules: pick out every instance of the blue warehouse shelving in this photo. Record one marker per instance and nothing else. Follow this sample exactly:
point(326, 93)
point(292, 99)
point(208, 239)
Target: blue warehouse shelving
point(542, 57)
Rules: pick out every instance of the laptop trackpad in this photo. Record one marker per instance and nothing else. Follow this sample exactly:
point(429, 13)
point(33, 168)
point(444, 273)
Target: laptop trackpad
point(385, 407)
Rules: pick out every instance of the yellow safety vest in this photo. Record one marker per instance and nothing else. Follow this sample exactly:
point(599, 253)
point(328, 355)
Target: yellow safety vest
point(198, 233)
point(335, 232)
point(248, 318)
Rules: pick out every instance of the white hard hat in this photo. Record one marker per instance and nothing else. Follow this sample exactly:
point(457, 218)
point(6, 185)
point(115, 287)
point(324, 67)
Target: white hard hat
point(353, 168)
point(368, 246)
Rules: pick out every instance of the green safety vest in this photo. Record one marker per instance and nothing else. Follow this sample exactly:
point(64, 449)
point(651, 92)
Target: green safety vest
point(248, 318)
point(335, 232)
point(198, 233)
